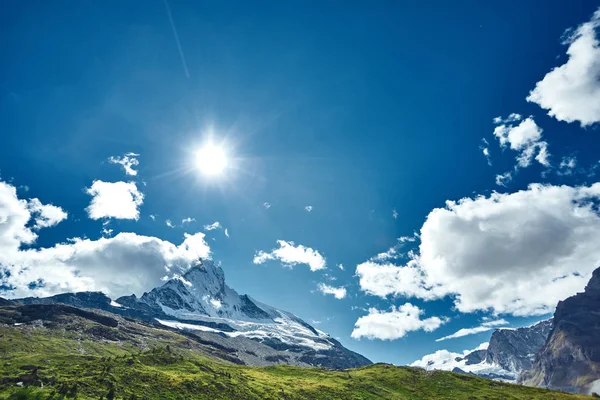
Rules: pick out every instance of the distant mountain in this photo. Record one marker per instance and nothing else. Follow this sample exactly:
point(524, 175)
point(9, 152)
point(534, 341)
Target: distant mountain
point(508, 354)
point(200, 301)
point(570, 359)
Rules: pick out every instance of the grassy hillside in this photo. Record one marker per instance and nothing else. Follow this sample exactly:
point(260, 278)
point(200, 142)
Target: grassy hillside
point(78, 357)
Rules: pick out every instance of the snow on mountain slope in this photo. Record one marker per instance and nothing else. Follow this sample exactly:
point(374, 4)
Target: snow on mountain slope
point(200, 300)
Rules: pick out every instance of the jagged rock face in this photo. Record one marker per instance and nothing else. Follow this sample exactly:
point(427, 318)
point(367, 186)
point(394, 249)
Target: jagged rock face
point(514, 349)
point(570, 359)
point(475, 357)
point(201, 302)
point(509, 352)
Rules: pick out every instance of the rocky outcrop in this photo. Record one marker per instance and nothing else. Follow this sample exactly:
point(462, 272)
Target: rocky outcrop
point(514, 349)
point(570, 359)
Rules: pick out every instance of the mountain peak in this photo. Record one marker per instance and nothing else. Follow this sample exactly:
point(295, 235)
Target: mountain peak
point(593, 286)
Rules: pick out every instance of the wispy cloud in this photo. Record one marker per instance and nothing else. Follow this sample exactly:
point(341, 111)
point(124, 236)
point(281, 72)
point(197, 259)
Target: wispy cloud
point(128, 162)
point(484, 327)
point(213, 226)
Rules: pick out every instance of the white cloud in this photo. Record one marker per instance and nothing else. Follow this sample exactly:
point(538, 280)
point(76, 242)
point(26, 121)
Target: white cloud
point(128, 162)
point(485, 149)
point(517, 253)
point(484, 327)
point(524, 138)
point(567, 165)
point(125, 264)
point(392, 252)
point(337, 292)
point(213, 226)
point(266, 205)
point(445, 360)
point(169, 223)
point(395, 214)
point(16, 214)
point(226, 232)
point(308, 208)
point(46, 215)
point(153, 217)
point(187, 220)
point(341, 266)
point(514, 117)
point(290, 254)
point(114, 200)
point(503, 179)
point(571, 91)
point(394, 324)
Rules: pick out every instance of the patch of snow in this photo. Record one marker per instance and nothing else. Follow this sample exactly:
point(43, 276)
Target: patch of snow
point(182, 326)
point(115, 304)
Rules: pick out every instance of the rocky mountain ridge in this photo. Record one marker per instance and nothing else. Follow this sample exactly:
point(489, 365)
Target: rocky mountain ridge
point(570, 359)
point(508, 353)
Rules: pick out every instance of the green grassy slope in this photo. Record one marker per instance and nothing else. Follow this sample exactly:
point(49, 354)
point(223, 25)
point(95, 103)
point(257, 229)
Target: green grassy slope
point(70, 361)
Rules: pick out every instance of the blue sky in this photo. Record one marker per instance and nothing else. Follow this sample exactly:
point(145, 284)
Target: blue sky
point(354, 111)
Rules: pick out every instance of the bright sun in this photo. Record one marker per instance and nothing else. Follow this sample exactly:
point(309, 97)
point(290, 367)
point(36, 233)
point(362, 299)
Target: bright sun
point(211, 160)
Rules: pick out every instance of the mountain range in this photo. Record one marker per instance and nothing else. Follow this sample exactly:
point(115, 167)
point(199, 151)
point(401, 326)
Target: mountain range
point(200, 301)
point(562, 352)
point(508, 353)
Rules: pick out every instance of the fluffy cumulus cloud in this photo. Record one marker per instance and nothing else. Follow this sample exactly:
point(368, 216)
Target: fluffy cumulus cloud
point(14, 217)
point(524, 138)
point(129, 161)
point(337, 292)
point(124, 264)
point(394, 324)
point(46, 215)
point(291, 254)
point(571, 91)
point(114, 200)
point(516, 253)
point(484, 327)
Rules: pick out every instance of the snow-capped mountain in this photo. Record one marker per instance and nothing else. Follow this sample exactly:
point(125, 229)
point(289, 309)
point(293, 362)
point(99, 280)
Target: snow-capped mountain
point(200, 301)
point(508, 353)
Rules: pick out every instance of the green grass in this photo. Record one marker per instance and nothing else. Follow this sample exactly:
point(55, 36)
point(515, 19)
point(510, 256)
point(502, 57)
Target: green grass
point(71, 365)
